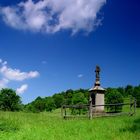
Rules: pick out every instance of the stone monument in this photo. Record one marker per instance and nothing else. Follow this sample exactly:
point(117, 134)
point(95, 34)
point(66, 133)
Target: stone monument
point(97, 93)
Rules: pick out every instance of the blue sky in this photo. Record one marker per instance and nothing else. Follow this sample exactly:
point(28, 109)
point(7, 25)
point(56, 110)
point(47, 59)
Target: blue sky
point(53, 53)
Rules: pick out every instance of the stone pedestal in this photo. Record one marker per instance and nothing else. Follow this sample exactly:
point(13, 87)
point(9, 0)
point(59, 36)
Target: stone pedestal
point(99, 101)
point(97, 94)
point(97, 98)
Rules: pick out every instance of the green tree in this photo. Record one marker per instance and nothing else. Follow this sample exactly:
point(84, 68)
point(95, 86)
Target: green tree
point(79, 98)
point(50, 104)
point(136, 94)
point(9, 100)
point(29, 107)
point(113, 96)
point(68, 96)
point(122, 91)
point(39, 104)
point(129, 90)
point(58, 99)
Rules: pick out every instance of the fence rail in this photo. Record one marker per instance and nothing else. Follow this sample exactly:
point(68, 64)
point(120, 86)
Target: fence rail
point(87, 110)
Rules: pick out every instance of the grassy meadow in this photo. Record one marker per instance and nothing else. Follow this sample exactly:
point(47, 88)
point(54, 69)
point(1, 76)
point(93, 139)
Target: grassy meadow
point(50, 126)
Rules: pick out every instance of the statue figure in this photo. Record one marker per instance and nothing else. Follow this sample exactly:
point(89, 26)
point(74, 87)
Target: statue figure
point(97, 72)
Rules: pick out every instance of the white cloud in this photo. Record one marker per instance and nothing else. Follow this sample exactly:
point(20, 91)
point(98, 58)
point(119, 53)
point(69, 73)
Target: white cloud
point(4, 63)
point(54, 15)
point(80, 75)
point(22, 89)
point(43, 62)
point(16, 74)
point(8, 75)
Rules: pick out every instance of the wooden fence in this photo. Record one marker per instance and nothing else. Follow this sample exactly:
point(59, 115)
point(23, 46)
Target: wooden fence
point(87, 110)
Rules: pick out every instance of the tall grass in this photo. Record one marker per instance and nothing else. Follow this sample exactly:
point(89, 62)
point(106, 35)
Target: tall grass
point(50, 126)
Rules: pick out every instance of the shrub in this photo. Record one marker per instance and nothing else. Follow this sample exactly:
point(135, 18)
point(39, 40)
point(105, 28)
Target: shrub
point(113, 97)
point(9, 101)
point(136, 94)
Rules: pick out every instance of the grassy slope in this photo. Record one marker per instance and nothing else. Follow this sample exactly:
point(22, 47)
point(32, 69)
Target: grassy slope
point(50, 126)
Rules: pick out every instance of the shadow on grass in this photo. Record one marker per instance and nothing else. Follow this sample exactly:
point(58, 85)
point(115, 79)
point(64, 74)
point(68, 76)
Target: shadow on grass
point(134, 128)
point(7, 126)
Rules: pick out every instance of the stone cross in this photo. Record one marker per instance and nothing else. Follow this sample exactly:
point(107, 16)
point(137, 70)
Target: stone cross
point(97, 71)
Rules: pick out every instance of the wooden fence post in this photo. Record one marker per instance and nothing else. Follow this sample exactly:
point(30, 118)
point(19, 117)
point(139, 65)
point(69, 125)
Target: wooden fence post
point(131, 104)
point(90, 109)
point(62, 111)
point(135, 105)
point(65, 112)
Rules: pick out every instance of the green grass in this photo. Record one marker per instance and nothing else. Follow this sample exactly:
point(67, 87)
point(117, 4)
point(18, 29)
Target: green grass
point(50, 126)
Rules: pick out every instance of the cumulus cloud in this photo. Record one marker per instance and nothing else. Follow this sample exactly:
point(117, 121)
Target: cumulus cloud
point(44, 62)
point(9, 74)
point(80, 75)
point(16, 74)
point(22, 89)
point(51, 16)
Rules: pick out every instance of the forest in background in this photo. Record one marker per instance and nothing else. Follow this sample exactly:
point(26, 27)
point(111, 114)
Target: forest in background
point(10, 101)
point(81, 96)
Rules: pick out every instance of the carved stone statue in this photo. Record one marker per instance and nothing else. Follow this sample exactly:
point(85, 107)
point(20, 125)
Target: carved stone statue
point(97, 95)
point(97, 72)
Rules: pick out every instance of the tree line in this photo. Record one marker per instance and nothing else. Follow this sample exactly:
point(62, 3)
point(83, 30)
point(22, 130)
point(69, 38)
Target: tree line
point(10, 101)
